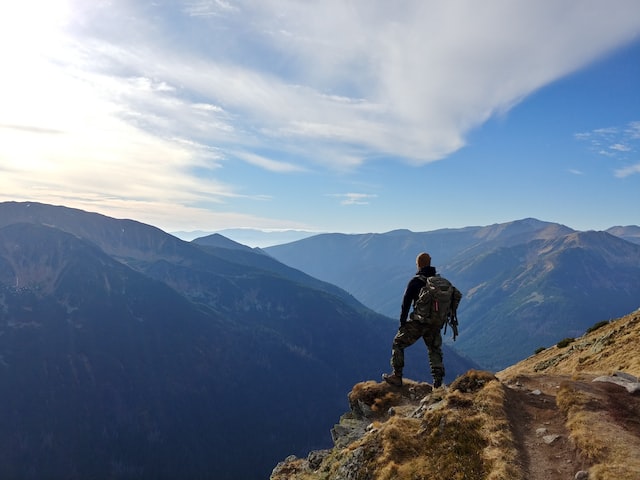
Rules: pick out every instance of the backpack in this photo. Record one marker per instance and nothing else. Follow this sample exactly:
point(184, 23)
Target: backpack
point(437, 303)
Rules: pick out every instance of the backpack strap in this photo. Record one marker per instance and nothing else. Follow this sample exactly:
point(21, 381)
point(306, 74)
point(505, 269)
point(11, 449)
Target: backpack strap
point(452, 318)
point(423, 279)
point(453, 321)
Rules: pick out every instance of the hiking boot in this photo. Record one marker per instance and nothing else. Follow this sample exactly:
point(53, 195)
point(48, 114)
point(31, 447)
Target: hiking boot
point(392, 379)
point(438, 374)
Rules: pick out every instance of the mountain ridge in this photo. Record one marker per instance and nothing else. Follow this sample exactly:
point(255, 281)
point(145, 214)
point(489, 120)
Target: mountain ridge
point(504, 271)
point(171, 341)
point(125, 351)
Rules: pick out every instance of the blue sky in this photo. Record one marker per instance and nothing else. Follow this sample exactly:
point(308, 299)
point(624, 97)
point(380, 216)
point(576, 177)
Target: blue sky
point(334, 116)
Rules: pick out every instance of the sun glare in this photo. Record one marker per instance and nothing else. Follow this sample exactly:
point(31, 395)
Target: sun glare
point(25, 26)
point(33, 45)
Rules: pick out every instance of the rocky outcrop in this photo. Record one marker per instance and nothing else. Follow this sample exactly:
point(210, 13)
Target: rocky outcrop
point(574, 418)
point(625, 380)
point(396, 432)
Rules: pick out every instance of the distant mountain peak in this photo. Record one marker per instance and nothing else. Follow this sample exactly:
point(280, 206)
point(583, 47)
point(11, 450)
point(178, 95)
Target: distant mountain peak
point(399, 231)
point(630, 233)
point(218, 240)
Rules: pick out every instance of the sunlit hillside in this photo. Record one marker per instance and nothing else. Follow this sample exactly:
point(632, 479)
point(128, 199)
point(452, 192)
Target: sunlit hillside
point(570, 411)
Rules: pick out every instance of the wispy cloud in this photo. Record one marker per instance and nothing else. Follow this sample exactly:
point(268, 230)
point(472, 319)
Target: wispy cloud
point(353, 198)
point(207, 7)
point(149, 99)
point(615, 142)
point(268, 164)
point(32, 129)
point(627, 171)
point(348, 73)
point(633, 130)
point(620, 147)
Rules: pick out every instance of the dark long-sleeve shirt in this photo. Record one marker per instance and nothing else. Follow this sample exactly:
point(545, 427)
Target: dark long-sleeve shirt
point(413, 290)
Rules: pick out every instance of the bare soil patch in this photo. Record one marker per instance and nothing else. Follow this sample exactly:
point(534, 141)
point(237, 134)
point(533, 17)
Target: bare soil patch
point(621, 407)
point(546, 452)
point(536, 420)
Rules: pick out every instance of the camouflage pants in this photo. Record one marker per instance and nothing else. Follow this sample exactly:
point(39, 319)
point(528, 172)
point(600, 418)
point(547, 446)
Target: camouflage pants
point(407, 335)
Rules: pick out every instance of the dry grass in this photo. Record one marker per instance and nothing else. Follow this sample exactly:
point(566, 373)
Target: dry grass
point(614, 472)
point(470, 439)
point(472, 381)
point(576, 404)
point(374, 399)
point(442, 445)
point(466, 434)
point(500, 452)
point(609, 348)
point(611, 447)
point(606, 348)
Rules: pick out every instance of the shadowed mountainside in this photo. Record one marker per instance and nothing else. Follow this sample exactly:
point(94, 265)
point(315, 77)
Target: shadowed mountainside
point(126, 352)
point(570, 411)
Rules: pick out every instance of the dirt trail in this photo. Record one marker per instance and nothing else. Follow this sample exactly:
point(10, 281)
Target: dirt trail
point(539, 429)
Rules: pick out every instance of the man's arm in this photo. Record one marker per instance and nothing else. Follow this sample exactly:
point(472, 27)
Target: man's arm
point(410, 294)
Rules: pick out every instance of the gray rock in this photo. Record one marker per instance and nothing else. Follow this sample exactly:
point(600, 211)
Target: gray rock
point(626, 376)
point(350, 469)
point(316, 457)
point(350, 429)
point(624, 380)
point(549, 439)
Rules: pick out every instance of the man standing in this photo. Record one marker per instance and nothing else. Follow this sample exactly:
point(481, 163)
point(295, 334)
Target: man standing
point(411, 330)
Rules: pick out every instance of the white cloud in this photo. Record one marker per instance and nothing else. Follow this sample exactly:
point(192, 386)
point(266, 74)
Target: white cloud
point(620, 147)
point(406, 82)
point(353, 198)
point(267, 163)
point(615, 143)
point(607, 131)
point(607, 153)
point(627, 171)
point(633, 130)
point(207, 7)
point(117, 103)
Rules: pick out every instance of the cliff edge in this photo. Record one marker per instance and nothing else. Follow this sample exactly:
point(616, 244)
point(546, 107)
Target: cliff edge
point(569, 411)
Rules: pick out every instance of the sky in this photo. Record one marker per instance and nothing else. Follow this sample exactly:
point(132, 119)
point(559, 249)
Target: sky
point(348, 116)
